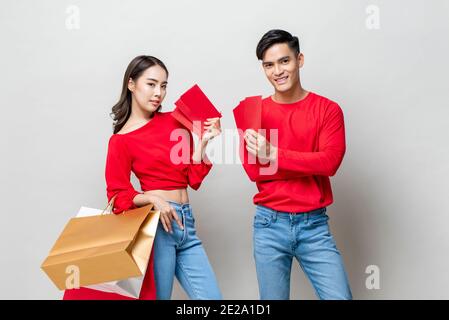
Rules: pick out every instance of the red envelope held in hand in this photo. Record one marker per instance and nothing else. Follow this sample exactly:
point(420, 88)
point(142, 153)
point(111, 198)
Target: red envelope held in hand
point(248, 115)
point(193, 108)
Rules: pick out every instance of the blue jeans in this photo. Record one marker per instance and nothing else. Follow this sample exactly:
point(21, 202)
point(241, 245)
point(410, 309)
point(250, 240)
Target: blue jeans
point(280, 236)
point(182, 254)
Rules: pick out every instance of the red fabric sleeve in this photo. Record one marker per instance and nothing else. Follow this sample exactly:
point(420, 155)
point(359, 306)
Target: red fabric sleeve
point(118, 174)
point(331, 148)
point(197, 171)
point(256, 175)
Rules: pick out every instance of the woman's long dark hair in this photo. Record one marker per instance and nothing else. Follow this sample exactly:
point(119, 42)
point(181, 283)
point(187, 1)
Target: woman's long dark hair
point(122, 109)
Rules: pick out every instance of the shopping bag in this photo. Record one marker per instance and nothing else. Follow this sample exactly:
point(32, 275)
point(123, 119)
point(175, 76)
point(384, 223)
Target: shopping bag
point(107, 250)
point(130, 287)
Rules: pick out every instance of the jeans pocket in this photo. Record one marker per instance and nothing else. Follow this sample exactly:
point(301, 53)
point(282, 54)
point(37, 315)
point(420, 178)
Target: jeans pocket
point(318, 219)
point(262, 221)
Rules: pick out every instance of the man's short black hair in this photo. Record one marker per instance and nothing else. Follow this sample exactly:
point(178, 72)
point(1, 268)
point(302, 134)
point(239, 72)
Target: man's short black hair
point(273, 37)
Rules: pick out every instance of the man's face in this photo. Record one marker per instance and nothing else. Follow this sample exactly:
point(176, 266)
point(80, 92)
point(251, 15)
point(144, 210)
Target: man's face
point(281, 66)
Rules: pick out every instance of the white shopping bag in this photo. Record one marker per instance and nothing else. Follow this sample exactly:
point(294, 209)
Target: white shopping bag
point(129, 287)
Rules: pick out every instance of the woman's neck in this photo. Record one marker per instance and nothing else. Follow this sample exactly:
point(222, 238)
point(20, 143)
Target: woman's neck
point(138, 114)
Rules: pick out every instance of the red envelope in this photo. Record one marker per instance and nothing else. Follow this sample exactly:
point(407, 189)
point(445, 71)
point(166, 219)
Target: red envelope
point(193, 108)
point(248, 115)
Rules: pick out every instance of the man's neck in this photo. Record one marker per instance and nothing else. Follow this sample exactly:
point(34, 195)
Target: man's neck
point(296, 94)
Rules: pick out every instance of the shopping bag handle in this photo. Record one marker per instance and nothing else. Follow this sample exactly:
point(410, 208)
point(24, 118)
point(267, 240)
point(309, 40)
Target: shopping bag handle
point(110, 205)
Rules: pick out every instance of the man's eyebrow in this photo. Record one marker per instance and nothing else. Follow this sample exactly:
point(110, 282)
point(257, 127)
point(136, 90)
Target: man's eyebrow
point(280, 59)
point(283, 58)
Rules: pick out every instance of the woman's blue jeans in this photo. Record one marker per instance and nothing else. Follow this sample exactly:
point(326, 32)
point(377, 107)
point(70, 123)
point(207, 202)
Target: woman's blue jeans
point(182, 254)
point(280, 236)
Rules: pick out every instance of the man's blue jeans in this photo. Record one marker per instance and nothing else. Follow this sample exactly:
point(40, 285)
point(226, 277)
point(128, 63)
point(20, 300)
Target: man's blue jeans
point(182, 254)
point(280, 236)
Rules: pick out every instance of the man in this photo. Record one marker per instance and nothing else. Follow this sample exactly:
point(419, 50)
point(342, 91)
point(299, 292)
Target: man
point(291, 219)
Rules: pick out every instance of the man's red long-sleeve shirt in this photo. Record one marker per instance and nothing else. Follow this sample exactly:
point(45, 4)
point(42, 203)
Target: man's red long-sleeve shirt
point(311, 146)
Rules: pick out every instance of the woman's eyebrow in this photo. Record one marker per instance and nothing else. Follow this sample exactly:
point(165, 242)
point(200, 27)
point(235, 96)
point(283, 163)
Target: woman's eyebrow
point(151, 79)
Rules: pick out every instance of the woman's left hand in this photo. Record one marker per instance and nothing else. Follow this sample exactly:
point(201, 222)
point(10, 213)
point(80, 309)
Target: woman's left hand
point(212, 128)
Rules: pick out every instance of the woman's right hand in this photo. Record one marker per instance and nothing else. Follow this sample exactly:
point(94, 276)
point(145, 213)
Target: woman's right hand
point(168, 213)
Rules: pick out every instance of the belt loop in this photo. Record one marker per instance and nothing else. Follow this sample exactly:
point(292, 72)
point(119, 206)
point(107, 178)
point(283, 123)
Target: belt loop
point(274, 215)
point(306, 218)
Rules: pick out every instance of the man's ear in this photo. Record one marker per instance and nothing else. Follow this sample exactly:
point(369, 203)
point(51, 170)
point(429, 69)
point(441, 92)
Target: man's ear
point(300, 59)
point(131, 85)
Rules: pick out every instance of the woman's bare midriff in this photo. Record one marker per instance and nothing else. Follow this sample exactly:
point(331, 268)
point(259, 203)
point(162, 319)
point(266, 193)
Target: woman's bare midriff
point(178, 195)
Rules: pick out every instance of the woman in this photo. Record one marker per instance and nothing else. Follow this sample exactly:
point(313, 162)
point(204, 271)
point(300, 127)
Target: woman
point(160, 152)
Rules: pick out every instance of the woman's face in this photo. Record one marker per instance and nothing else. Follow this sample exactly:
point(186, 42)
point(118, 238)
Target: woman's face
point(149, 89)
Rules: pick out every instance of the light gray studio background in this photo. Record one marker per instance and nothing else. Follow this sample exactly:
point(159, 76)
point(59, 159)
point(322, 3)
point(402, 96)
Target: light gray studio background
point(384, 62)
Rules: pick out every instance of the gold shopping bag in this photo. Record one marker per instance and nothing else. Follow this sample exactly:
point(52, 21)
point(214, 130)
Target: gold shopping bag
point(103, 248)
